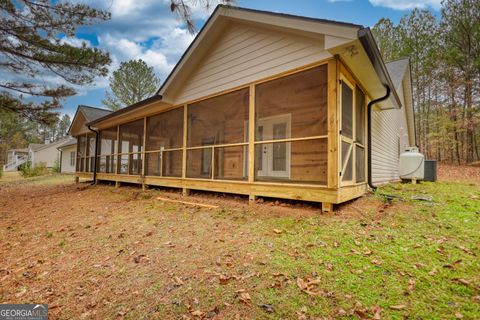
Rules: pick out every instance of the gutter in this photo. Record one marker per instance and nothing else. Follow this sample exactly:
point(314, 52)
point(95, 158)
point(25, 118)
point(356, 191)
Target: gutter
point(369, 133)
point(368, 42)
point(94, 182)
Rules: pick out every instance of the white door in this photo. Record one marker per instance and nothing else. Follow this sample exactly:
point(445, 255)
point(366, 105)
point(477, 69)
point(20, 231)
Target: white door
point(273, 159)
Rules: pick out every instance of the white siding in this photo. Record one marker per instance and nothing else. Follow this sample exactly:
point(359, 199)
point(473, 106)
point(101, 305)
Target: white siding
point(67, 166)
point(387, 127)
point(243, 54)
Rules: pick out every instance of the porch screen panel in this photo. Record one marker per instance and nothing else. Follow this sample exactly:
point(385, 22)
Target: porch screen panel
point(230, 163)
point(347, 111)
point(301, 97)
point(292, 109)
point(107, 150)
point(218, 124)
point(90, 157)
point(220, 120)
point(131, 147)
point(81, 152)
point(359, 135)
point(301, 161)
point(164, 163)
point(165, 130)
point(164, 138)
point(199, 163)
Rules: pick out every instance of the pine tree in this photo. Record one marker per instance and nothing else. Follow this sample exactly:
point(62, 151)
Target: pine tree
point(133, 81)
point(32, 45)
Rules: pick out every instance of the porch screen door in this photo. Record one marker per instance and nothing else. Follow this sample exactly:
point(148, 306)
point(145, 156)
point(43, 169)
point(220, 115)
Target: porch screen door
point(352, 134)
point(347, 133)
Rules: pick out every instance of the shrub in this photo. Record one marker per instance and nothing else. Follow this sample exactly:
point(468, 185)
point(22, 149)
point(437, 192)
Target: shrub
point(27, 170)
point(56, 167)
point(1, 171)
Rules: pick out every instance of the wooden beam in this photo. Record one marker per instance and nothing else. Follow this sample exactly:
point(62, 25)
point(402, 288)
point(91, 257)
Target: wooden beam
point(185, 191)
point(251, 138)
point(327, 207)
point(144, 145)
point(333, 133)
point(196, 204)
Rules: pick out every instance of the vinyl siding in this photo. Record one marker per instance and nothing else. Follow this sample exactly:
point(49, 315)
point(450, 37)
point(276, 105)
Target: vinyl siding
point(243, 54)
point(66, 166)
point(387, 127)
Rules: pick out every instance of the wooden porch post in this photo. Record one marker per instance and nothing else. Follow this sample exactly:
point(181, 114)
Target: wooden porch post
point(143, 154)
point(332, 162)
point(251, 140)
point(185, 191)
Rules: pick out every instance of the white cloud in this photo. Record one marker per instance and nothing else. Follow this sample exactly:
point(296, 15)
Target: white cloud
point(406, 4)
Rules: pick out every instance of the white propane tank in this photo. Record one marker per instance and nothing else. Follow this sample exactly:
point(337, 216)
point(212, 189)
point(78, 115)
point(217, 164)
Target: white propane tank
point(411, 165)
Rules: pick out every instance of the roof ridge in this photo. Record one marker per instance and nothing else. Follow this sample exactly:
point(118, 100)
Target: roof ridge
point(289, 15)
point(97, 108)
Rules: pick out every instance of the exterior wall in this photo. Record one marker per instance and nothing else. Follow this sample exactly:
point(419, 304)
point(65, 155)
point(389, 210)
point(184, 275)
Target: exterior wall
point(389, 138)
point(244, 54)
point(66, 164)
point(48, 155)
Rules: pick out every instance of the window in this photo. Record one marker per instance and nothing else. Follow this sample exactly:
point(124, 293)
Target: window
point(72, 159)
point(291, 128)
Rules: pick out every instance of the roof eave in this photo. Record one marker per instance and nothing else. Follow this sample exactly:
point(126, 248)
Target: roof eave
point(368, 42)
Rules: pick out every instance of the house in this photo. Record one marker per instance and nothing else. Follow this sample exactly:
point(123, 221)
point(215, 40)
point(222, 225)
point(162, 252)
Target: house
point(36, 153)
point(79, 128)
point(68, 156)
point(262, 104)
point(15, 158)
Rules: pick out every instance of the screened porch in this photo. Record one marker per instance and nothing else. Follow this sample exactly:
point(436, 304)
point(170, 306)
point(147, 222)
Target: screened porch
point(281, 131)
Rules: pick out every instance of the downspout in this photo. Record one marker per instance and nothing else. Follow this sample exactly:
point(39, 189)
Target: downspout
point(95, 159)
point(369, 133)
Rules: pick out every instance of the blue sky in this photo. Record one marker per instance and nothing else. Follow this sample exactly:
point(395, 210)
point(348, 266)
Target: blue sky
point(146, 29)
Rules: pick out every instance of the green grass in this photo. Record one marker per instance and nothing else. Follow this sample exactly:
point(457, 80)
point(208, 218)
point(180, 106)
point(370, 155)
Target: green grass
point(14, 178)
point(371, 260)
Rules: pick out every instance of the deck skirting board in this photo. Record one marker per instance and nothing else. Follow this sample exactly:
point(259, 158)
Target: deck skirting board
point(262, 189)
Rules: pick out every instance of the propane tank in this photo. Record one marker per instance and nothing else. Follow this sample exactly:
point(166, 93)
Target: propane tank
point(411, 165)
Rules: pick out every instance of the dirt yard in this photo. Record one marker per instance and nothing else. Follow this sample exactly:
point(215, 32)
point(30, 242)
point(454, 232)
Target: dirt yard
point(97, 252)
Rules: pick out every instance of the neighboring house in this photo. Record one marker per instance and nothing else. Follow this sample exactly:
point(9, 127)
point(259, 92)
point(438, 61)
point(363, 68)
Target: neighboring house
point(262, 104)
point(45, 153)
point(15, 158)
point(36, 153)
point(68, 156)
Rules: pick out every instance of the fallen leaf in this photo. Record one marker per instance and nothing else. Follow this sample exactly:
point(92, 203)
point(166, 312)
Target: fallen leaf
point(224, 279)
point(377, 262)
point(398, 307)
point(458, 315)
point(433, 272)
point(301, 284)
point(244, 297)
point(377, 310)
point(411, 284)
point(197, 313)
point(277, 231)
point(462, 281)
point(178, 282)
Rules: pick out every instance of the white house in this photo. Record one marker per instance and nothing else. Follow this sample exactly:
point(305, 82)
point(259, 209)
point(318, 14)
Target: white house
point(68, 155)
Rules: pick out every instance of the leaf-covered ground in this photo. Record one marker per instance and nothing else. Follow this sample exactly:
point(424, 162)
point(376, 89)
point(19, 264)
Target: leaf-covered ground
point(106, 253)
